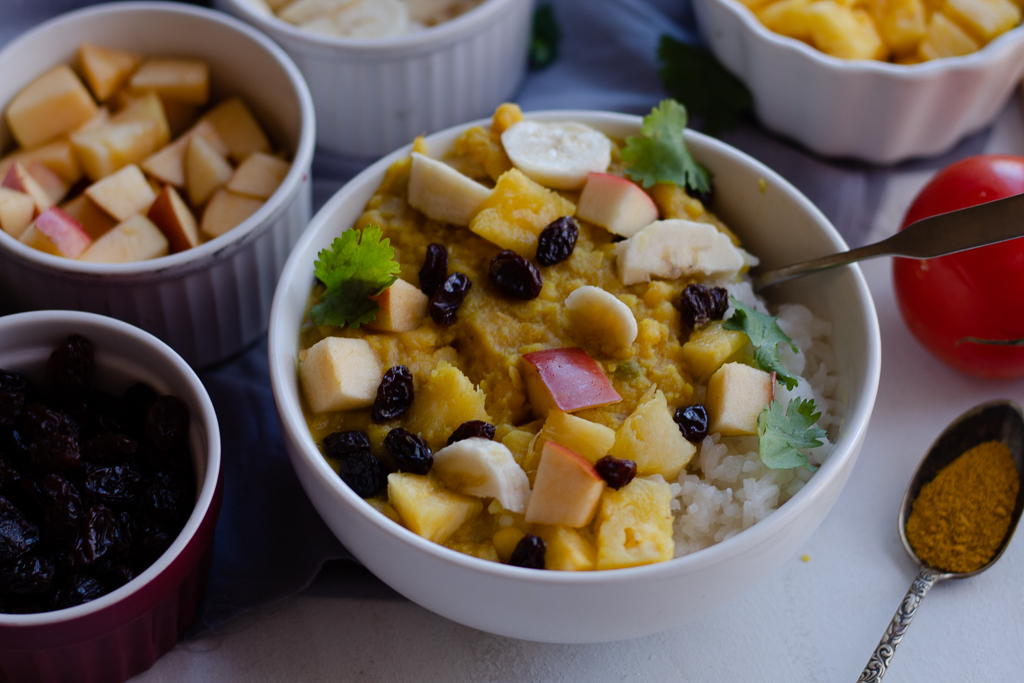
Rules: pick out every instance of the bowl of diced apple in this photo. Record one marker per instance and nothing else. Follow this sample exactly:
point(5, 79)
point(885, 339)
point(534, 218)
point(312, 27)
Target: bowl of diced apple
point(154, 166)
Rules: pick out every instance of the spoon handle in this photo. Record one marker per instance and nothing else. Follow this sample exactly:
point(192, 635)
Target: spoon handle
point(880, 658)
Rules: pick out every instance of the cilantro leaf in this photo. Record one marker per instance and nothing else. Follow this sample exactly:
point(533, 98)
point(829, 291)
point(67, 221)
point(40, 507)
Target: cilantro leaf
point(780, 434)
point(659, 154)
point(765, 336)
point(545, 38)
point(359, 264)
point(708, 90)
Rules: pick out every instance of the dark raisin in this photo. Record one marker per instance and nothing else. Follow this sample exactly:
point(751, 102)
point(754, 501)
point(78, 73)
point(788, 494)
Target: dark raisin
point(39, 422)
point(115, 486)
point(616, 473)
point(447, 299)
point(168, 498)
point(119, 574)
point(64, 511)
point(56, 453)
point(515, 276)
point(17, 534)
point(693, 422)
point(97, 535)
point(411, 453)
point(27, 574)
point(13, 394)
point(13, 383)
point(529, 552)
point(434, 269)
point(474, 429)
point(340, 445)
point(151, 540)
point(70, 367)
point(139, 398)
point(110, 448)
point(394, 395)
point(556, 242)
point(9, 472)
point(79, 590)
point(167, 423)
point(363, 474)
point(700, 305)
point(705, 198)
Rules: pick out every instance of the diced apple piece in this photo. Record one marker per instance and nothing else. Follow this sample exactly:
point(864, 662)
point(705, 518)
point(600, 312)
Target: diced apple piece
point(168, 165)
point(616, 204)
point(16, 211)
point(132, 135)
point(635, 525)
point(180, 115)
point(736, 396)
point(106, 69)
point(32, 237)
point(567, 380)
point(187, 80)
point(709, 348)
point(402, 308)
point(172, 216)
point(149, 108)
point(19, 180)
point(225, 211)
point(135, 239)
point(589, 440)
point(239, 129)
point(442, 193)
point(64, 232)
point(446, 401)
point(206, 171)
point(57, 156)
point(566, 490)
point(427, 509)
point(485, 469)
point(651, 438)
point(94, 155)
point(101, 119)
point(567, 550)
point(340, 374)
point(516, 212)
point(259, 175)
point(123, 194)
point(50, 106)
point(52, 184)
point(93, 219)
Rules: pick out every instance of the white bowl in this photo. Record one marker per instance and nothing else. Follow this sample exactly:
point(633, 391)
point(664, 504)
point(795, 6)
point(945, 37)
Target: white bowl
point(372, 96)
point(213, 300)
point(778, 224)
point(861, 109)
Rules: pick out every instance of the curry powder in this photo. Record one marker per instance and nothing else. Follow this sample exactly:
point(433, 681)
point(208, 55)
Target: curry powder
point(959, 519)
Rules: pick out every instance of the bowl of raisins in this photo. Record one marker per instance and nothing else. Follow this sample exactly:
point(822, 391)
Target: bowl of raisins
point(109, 496)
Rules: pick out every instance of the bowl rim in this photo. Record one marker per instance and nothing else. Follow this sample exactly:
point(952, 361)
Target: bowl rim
point(293, 423)
point(902, 72)
point(375, 47)
point(223, 245)
point(206, 498)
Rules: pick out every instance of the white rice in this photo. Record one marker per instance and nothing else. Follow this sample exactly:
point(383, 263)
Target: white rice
point(726, 488)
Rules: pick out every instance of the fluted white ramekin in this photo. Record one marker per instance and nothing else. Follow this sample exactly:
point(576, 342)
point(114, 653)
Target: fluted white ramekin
point(861, 109)
point(373, 96)
point(210, 301)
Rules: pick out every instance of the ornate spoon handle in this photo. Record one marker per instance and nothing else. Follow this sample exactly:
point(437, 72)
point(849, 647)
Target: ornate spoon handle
point(880, 658)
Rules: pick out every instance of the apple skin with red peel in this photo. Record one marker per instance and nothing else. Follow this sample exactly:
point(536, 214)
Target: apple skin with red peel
point(616, 204)
point(567, 380)
point(65, 232)
point(566, 490)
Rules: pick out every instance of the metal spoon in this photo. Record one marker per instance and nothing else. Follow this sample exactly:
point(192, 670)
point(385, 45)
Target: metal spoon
point(947, 233)
point(995, 421)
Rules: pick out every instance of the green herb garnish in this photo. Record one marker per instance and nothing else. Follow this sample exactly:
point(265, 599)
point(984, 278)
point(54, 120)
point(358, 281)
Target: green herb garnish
point(359, 264)
point(781, 434)
point(694, 77)
point(545, 38)
point(659, 154)
point(765, 336)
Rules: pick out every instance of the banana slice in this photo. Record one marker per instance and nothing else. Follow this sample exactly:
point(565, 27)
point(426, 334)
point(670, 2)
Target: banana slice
point(676, 248)
point(442, 193)
point(558, 155)
point(486, 469)
point(364, 19)
point(597, 315)
point(304, 11)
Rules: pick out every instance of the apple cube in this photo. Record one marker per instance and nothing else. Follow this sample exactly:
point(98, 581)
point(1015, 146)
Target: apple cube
point(445, 401)
point(52, 184)
point(566, 490)
point(16, 211)
point(66, 235)
point(172, 216)
point(709, 348)
point(402, 308)
point(735, 397)
point(676, 248)
point(589, 440)
point(168, 165)
point(123, 194)
point(442, 193)
point(187, 80)
point(50, 106)
point(57, 156)
point(135, 239)
point(340, 374)
point(427, 509)
point(19, 180)
point(259, 175)
point(635, 525)
point(567, 550)
point(517, 210)
point(149, 108)
point(567, 380)
point(225, 211)
point(106, 69)
point(101, 119)
point(205, 170)
point(239, 129)
point(93, 219)
point(132, 135)
point(180, 115)
point(616, 204)
point(651, 438)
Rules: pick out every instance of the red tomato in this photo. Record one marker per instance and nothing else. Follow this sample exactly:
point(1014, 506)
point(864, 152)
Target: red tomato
point(977, 293)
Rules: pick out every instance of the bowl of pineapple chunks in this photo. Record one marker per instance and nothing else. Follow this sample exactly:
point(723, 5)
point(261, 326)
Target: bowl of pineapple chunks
point(154, 166)
point(523, 390)
point(881, 82)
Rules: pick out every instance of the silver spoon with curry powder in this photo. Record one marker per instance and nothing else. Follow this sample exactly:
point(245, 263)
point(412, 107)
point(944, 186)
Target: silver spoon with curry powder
point(946, 233)
point(1000, 421)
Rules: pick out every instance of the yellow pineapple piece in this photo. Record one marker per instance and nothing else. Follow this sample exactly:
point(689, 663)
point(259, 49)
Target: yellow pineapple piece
point(844, 32)
point(505, 116)
point(447, 400)
point(427, 508)
point(589, 440)
point(483, 147)
point(945, 39)
point(651, 438)
point(485, 550)
point(567, 550)
point(505, 541)
point(983, 19)
point(902, 24)
point(518, 441)
point(755, 5)
point(635, 525)
point(381, 506)
point(709, 348)
point(787, 17)
point(517, 211)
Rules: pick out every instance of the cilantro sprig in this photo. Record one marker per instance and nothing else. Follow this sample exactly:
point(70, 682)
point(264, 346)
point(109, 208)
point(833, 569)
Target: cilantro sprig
point(545, 37)
point(781, 434)
point(359, 264)
point(708, 90)
point(765, 336)
point(659, 153)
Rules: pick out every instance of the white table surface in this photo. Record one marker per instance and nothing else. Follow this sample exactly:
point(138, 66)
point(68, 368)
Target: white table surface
point(814, 620)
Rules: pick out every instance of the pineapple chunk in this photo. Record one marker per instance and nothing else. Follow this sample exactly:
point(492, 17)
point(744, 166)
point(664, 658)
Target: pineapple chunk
point(736, 396)
point(518, 442)
point(484, 147)
point(105, 69)
point(902, 24)
point(515, 213)
point(427, 508)
point(844, 32)
point(505, 541)
point(945, 39)
point(590, 440)
point(984, 19)
point(505, 116)
point(708, 348)
point(651, 438)
point(635, 525)
point(447, 400)
point(340, 374)
point(788, 17)
point(567, 550)
point(50, 106)
point(485, 550)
